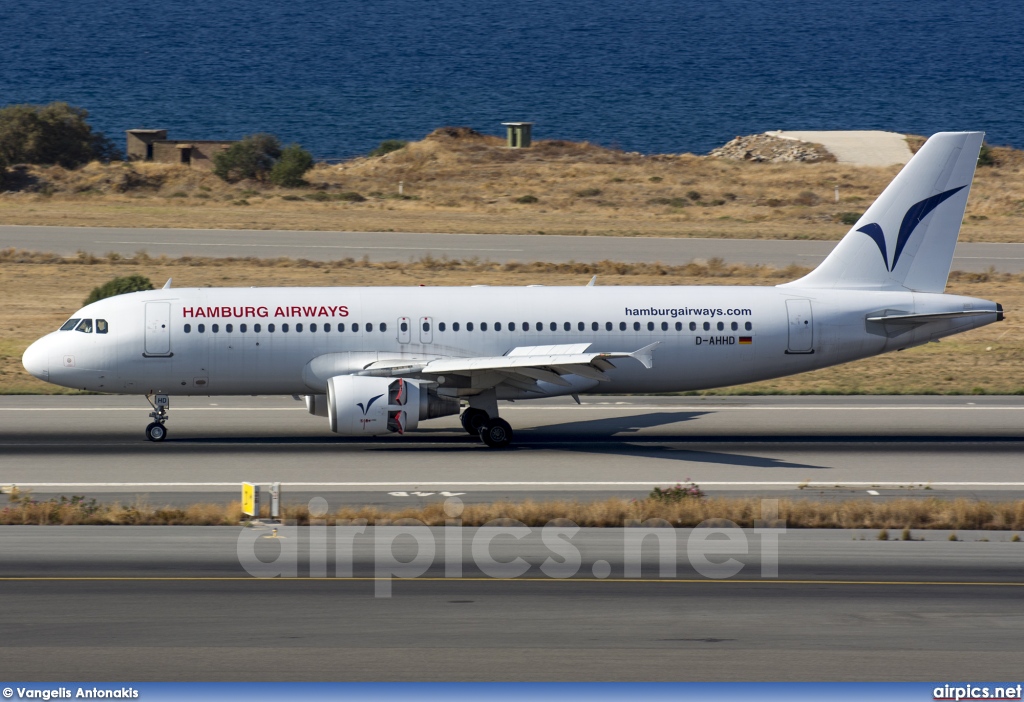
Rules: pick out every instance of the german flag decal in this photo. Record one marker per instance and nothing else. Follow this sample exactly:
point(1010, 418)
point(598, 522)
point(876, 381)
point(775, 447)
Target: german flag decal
point(746, 339)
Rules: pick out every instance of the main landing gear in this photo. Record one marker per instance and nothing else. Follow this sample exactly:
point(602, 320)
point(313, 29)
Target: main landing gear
point(156, 431)
point(493, 431)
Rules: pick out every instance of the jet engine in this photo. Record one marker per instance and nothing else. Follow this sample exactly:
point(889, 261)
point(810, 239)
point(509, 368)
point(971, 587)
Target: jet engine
point(368, 406)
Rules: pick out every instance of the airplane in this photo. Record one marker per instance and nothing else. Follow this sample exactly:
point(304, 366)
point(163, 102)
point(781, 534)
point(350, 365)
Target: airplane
point(379, 360)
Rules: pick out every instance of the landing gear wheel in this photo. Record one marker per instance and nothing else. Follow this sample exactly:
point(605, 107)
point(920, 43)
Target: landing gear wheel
point(472, 420)
point(156, 432)
point(496, 433)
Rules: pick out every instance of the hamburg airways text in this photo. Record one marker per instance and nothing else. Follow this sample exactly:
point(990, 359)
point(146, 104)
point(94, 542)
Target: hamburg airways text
point(685, 312)
point(263, 311)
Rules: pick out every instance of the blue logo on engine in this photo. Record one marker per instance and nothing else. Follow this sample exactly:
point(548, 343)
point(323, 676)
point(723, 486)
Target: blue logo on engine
point(368, 404)
point(914, 216)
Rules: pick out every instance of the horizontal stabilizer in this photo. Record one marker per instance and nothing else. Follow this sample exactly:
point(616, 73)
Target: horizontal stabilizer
point(925, 318)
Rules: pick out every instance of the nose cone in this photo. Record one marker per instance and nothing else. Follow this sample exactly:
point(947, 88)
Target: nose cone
point(37, 361)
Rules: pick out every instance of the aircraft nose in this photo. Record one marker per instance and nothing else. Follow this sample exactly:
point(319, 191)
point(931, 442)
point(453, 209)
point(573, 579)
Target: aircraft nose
point(36, 360)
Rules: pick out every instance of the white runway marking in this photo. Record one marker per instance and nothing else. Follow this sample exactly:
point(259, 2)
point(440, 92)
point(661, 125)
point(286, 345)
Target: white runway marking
point(873, 492)
point(566, 408)
point(305, 246)
point(510, 483)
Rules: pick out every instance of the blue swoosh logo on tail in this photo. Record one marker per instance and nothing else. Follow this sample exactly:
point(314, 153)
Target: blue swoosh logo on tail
point(914, 216)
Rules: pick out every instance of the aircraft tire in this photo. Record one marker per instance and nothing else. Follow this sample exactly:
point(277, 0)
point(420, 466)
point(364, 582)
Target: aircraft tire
point(472, 420)
point(156, 432)
point(496, 433)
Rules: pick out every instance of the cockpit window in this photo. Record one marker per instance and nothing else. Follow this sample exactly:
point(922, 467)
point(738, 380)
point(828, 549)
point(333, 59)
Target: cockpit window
point(85, 326)
point(70, 324)
point(101, 326)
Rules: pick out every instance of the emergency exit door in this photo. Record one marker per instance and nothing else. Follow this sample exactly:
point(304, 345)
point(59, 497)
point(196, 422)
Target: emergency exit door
point(801, 326)
point(158, 329)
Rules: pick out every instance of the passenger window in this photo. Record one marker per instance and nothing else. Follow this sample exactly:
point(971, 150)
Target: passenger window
point(622, 326)
point(607, 326)
point(229, 328)
point(483, 326)
point(243, 328)
point(554, 326)
point(284, 328)
point(593, 326)
point(679, 326)
point(455, 326)
point(312, 327)
point(511, 326)
point(721, 326)
point(327, 326)
point(581, 326)
point(215, 328)
point(540, 326)
point(341, 326)
point(735, 326)
point(469, 326)
point(298, 326)
point(270, 328)
point(70, 324)
point(650, 326)
point(441, 326)
point(383, 327)
point(201, 328)
point(355, 326)
point(707, 326)
point(664, 326)
point(257, 328)
point(405, 327)
point(188, 328)
point(85, 326)
point(636, 326)
point(748, 326)
point(368, 327)
point(693, 326)
point(566, 326)
point(101, 326)
point(497, 326)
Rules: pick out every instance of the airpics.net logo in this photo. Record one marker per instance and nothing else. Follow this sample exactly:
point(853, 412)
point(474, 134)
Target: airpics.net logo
point(716, 549)
point(961, 692)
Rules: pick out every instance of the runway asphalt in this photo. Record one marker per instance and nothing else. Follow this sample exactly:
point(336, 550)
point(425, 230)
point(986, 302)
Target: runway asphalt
point(865, 446)
point(174, 603)
point(397, 246)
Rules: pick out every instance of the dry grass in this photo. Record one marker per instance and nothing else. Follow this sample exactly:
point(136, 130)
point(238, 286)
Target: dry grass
point(41, 290)
point(458, 181)
point(931, 513)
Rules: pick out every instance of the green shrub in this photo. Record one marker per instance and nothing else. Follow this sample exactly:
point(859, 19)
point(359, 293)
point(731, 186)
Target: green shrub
point(527, 199)
point(387, 146)
point(677, 493)
point(251, 158)
point(51, 134)
point(670, 201)
point(655, 179)
point(119, 286)
point(848, 218)
point(318, 196)
point(986, 157)
point(291, 166)
point(350, 196)
point(807, 199)
point(290, 197)
point(693, 195)
point(588, 192)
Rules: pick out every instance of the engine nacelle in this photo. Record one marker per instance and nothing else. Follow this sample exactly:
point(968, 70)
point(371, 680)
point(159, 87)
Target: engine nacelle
point(316, 405)
point(367, 406)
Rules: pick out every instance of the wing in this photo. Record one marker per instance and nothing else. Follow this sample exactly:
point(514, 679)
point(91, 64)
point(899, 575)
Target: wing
point(525, 363)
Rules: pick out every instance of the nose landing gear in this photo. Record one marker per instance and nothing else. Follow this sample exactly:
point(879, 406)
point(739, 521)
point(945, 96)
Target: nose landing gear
point(156, 431)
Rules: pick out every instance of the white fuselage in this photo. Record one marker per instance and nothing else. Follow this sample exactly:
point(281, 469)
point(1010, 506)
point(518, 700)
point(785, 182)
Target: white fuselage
point(218, 341)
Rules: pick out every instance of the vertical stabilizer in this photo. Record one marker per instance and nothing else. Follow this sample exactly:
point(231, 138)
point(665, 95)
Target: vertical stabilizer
point(905, 240)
